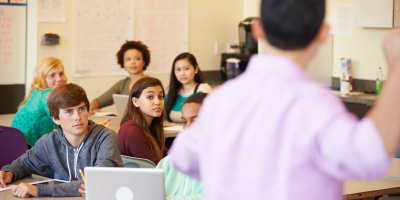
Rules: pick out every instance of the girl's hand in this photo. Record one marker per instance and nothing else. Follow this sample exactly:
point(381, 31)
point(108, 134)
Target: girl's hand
point(82, 190)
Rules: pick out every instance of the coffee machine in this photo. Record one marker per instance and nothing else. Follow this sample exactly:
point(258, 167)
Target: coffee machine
point(246, 42)
point(247, 45)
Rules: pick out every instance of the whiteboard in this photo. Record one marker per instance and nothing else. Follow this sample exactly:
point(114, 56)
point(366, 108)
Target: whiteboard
point(373, 13)
point(12, 44)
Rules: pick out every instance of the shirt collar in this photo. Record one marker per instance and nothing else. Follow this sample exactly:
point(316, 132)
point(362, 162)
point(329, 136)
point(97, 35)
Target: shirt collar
point(279, 65)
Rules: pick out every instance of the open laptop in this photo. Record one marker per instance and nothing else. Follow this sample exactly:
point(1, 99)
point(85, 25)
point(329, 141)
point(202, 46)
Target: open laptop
point(124, 183)
point(120, 102)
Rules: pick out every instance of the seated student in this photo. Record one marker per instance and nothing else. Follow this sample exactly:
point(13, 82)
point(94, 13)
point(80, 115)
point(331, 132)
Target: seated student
point(142, 133)
point(134, 56)
point(186, 80)
point(284, 136)
point(176, 183)
point(33, 117)
point(77, 144)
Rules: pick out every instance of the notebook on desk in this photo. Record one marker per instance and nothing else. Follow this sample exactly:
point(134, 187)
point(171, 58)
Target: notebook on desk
point(124, 183)
point(120, 102)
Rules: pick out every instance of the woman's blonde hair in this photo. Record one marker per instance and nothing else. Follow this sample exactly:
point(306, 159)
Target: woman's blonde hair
point(43, 69)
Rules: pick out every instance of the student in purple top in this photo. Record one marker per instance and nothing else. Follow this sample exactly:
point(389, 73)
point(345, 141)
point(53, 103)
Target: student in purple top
point(274, 133)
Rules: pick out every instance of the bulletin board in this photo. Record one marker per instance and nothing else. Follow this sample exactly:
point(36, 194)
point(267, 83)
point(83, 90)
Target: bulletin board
point(102, 26)
point(163, 27)
point(12, 42)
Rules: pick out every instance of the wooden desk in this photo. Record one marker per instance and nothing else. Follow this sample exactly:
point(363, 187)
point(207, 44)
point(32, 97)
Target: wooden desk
point(7, 195)
point(364, 189)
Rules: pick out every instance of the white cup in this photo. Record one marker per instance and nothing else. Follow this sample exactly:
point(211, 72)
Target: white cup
point(345, 87)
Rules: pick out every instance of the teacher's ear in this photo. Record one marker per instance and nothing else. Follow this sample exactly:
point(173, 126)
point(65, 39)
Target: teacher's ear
point(257, 30)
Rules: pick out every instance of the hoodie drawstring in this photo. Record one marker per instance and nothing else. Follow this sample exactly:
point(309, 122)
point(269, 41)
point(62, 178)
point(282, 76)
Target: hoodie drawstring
point(69, 171)
point(76, 155)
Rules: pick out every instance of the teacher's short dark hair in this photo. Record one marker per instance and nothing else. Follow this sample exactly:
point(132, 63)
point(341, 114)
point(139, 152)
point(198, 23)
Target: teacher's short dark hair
point(138, 45)
point(291, 24)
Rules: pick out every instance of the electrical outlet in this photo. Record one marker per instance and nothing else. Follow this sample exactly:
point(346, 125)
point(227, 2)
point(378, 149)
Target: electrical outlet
point(217, 50)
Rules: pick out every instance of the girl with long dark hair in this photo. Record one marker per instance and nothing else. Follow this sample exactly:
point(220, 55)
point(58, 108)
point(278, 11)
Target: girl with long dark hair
point(186, 80)
point(141, 134)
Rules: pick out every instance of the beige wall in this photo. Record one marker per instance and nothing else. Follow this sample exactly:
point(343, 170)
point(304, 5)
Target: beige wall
point(364, 49)
point(251, 8)
point(209, 22)
point(320, 68)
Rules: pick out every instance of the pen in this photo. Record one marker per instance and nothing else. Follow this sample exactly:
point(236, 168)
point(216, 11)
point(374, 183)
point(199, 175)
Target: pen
point(82, 176)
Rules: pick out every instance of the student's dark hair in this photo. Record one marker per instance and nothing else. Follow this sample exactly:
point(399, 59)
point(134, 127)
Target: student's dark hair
point(65, 96)
point(175, 85)
point(155, 132)
point(196, 98)
point(138, 45)
point(291, 24)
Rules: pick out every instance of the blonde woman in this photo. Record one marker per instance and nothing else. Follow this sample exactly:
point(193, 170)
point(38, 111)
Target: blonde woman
point(33, 117)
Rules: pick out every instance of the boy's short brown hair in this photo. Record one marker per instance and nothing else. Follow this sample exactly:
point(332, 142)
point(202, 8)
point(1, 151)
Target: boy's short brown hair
point(65, 96)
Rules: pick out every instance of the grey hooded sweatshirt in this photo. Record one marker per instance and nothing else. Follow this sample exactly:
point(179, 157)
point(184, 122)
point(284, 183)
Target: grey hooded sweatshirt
point(100, 148)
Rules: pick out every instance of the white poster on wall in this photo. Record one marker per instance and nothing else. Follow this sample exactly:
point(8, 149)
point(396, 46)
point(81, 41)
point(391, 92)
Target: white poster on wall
point(101, 27)
point(12, 44)
point(51, 11)
point(163, 27)
point(373, 13)
point(340, 21)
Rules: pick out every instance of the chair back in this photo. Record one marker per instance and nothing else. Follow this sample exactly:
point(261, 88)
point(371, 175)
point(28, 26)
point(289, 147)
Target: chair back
point(12, 145)
point(133, 162)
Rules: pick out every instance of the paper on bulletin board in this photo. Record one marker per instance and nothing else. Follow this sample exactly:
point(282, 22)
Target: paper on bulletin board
point(12, 44)
point(51, 11)
point(163, 27)
point(17, 1)
point(101, 27)
point(340, 21)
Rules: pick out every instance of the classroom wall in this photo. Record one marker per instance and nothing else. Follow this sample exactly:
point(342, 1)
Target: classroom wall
point(209, 22)
point(251, 8)
point(320, 68)
point(364, 48)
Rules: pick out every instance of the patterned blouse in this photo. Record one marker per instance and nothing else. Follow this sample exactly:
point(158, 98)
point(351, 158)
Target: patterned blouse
point(33, 118)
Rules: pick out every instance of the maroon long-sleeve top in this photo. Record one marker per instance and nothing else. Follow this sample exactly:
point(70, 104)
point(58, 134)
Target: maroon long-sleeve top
point(133, 142)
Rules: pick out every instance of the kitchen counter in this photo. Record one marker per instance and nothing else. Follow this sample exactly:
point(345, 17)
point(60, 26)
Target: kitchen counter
point(357, 97)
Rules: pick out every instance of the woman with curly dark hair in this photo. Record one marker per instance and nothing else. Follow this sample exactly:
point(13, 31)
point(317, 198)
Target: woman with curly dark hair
point(134, 56)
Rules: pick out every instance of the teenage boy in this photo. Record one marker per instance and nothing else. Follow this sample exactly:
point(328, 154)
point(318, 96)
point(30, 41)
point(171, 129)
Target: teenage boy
point(78, 143)
point(273, 133)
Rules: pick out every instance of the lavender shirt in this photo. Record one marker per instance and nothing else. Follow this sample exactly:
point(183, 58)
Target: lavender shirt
point(273, 133)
